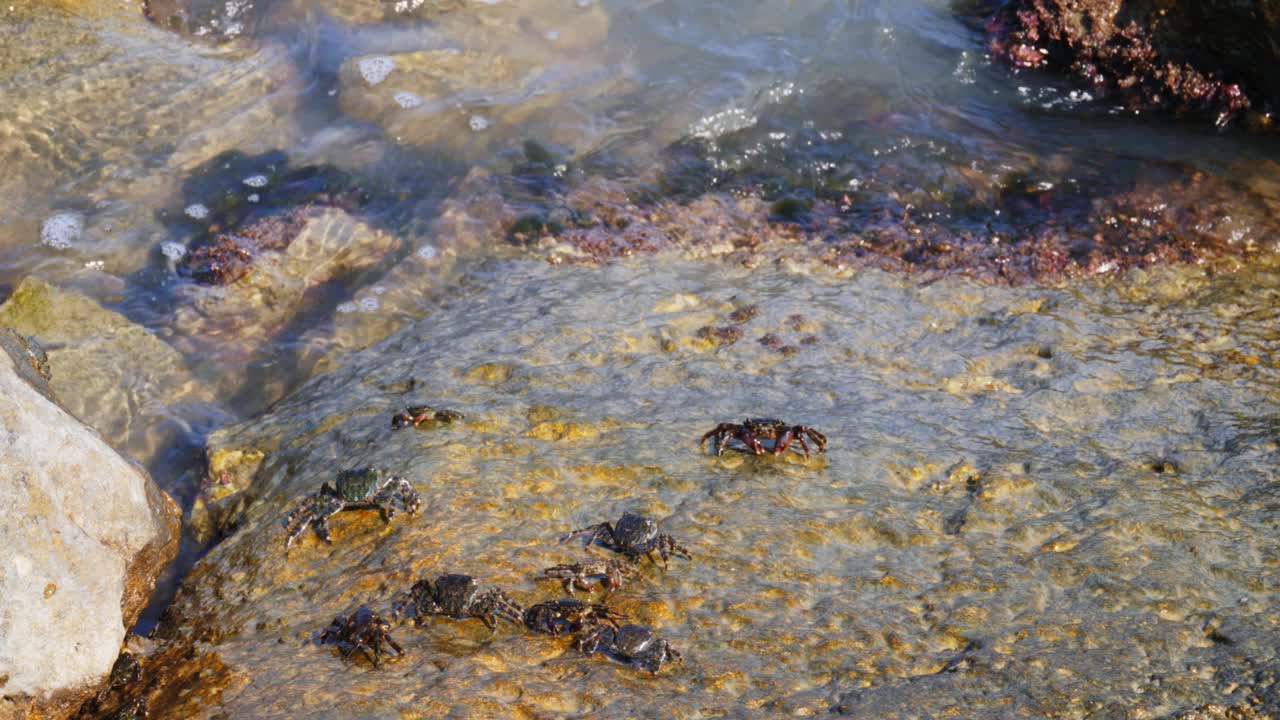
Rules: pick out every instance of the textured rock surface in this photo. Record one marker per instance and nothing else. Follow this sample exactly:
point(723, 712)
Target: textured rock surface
point(588, 219)
point(79, 78)
point(506, 72)
point(320, 246)
point(1036, 502)
point(85, 533)
point(474, 99)
point(114, 375)
point(1213, 57)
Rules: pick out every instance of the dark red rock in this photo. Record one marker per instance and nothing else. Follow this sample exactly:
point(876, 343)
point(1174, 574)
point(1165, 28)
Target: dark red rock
point(230, 256)
point(1212, 57)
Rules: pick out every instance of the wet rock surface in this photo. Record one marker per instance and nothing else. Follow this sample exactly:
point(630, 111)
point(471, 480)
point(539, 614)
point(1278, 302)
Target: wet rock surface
point(1039, 498)
point(476, 99)
point(1047, 232)
point(1032, 501)
point(101, 361)
point(494, 74)
point(86, 534)
point(185, 104)
point(211, 20)
point(263, 277)
point(1210, 58)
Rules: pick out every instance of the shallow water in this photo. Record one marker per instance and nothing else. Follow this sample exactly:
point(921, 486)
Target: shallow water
point(1046, 502)
point(114, 134)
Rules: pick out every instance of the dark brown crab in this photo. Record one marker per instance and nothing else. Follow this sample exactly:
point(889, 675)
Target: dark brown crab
point(753, 430)
point(557, 617)
point(633, 535)
point(417, 415)
point(458, 597)
point(609, 573)
point(362, 488)
point(634, 644)
point(363, 630)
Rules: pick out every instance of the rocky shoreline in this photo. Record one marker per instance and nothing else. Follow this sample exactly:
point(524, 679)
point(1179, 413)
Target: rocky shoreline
point(1047, 381)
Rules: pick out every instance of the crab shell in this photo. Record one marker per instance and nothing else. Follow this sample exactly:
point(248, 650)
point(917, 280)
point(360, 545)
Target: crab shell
point(634, 531)
point(633, 640)
point(765, 428)
point(360, 484)
point(454, 594)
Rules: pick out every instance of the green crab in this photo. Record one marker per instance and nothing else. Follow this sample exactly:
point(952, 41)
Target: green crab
point(362, 488)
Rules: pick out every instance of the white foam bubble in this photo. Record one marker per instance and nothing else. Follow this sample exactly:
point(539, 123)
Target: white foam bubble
point(253, 198)
point(428, 252)
point(479, 123)
point(407, 100)
point(375, 69)
point(62, 229)
point(256, 181)
point(172, 250)
point(364, 304)
point(196, 211)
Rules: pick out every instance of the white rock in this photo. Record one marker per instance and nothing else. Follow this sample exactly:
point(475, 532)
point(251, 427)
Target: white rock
point(78, 519)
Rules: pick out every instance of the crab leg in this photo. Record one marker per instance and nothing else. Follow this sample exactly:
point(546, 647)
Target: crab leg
point(396, 491)
point(722, 442)
point(780, 444)
point(321, 526)
point(312, 512)
point(816, 436)
point(750, 441)
point(593, 533)
point(667, 546)
point(495, 604)
point(721, 430)
point(399, 650)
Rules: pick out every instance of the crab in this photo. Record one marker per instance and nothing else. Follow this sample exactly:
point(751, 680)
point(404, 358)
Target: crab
point(635, 644)
point(363, 630)
point(354, 489)
point(416, 415)
point(579, 575)
point(633, 535)
point(753, 430)
point(556, 617)
point(135, 709)
point(458, 597)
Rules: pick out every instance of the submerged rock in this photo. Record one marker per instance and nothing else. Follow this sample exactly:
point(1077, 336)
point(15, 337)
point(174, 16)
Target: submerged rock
point(276, 267)
point(213, 20)
point(1046, 232)
point(81, 78)
point(113, 374)
point(86, 533)
point(505, 71)
point(471, 99)
point(1214, 58)
point(1077, 574)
